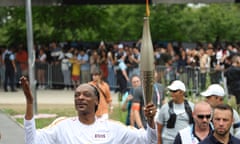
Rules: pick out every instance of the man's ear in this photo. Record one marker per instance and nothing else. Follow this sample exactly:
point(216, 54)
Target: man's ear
point(193, 114)
point(232, 120)
point(96, 101)
point(96, 104)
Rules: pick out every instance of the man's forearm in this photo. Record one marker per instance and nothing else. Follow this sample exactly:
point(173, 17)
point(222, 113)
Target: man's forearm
point(29, 112)
point(138, 119)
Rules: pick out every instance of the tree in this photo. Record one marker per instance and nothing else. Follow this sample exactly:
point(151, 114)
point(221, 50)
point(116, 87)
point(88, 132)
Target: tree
point(121, 23)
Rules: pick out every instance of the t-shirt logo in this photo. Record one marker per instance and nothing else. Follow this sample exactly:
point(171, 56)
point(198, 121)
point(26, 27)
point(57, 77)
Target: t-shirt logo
point(100, 136)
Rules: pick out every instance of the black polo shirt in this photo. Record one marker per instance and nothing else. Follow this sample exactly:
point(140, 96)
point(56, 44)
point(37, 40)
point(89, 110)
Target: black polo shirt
point(212, 140)
point(178, 139)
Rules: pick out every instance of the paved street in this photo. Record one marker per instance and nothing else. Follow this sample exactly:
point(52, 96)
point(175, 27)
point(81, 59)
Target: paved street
point(11, 132)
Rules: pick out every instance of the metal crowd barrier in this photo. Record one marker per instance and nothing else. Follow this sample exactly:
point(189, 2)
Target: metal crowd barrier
point(195, 80)
point(191, 76)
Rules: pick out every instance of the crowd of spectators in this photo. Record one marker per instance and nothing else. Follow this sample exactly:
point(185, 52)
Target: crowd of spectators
point(116, 64)
point(65, 65)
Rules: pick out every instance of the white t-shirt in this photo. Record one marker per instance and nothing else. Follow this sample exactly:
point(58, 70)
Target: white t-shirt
point(72, 131)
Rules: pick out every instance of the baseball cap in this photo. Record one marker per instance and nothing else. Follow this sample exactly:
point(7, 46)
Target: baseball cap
point(120, 46)
point(102, 43)
point(177, 85)
point(214, 89)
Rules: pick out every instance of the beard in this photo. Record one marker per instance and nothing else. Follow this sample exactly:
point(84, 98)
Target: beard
point(222, 132)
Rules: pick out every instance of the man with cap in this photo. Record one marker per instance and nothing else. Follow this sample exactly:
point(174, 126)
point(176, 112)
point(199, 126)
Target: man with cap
point(215, 96)
point(174, 115)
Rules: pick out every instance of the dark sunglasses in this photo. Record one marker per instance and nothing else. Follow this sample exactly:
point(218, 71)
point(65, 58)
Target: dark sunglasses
point(173, 91)
point(204, 116)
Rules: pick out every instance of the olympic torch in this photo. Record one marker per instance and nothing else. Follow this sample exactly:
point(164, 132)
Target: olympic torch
point(147, 63)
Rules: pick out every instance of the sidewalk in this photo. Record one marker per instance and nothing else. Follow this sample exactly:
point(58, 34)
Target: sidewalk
point(11, 132)
point(48, 96)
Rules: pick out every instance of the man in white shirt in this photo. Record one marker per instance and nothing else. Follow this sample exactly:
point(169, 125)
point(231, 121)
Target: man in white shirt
point(86, 129)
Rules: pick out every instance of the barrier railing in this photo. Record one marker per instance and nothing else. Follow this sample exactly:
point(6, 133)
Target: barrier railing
point(51, 76)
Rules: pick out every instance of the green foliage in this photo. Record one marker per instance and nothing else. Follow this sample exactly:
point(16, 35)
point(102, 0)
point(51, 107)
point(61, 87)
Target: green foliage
point(121, 22)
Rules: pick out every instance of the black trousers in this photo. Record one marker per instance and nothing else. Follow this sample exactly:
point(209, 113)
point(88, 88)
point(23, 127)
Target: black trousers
point(9, 75)
point(122, 82)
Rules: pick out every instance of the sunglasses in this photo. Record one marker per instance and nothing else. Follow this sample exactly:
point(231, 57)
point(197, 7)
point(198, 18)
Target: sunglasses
point(173, 91)
point(204, 116)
